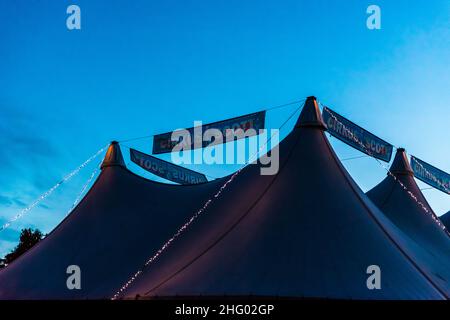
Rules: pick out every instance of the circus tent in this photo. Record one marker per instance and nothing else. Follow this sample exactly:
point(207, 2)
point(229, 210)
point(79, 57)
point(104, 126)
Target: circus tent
point(400, 199)
point(121, 220)
point(307, 232)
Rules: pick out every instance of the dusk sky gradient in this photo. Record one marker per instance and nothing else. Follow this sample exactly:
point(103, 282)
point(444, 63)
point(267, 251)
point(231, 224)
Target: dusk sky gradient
point(141, 67)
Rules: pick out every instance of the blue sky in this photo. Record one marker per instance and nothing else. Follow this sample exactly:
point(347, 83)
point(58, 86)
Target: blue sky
point(142, 67)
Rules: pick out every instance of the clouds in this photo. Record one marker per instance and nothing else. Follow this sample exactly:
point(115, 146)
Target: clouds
point(9, 238)
point(17, 134)
point(26, 162)
point(24, 151)
point(9, 201)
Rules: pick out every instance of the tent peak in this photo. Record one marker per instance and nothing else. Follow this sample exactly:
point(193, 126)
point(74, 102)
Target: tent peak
point(113, 156)
point(400, 165)
point(310, 115)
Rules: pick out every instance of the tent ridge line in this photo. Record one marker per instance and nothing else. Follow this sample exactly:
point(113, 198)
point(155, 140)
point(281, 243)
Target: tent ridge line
point(378, 223)
point(232, 226)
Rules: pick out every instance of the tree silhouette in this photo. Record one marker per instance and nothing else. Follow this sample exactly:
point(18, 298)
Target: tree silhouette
point(28, 238)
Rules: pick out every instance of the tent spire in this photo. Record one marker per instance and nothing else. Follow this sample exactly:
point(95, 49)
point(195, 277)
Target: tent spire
point(310, 115)
point(113, 156)
point(400, 165)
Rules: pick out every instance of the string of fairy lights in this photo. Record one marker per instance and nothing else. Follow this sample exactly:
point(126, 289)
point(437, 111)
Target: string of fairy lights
point(84, 188)
point(201, 211)
point(50, 191)
point(205, 206)
point(409, 192)
point(47, 193)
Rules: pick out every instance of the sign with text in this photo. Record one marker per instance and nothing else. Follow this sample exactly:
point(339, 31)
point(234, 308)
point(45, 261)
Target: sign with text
point(162, 143)
point(166, 169)
point(431, 175)
point(354, 135)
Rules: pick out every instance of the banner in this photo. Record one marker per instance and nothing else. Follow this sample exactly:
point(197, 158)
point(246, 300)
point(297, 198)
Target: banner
point(431, 175)
point(166, 169)
point(350, 133)
point(162, 143)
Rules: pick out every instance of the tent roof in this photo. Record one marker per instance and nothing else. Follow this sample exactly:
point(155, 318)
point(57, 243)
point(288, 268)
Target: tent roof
point(410, 216)
point(110, 233)
point(308, 231)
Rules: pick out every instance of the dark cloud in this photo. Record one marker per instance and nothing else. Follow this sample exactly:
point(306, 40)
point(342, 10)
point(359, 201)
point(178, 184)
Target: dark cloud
point(44, 206)
point(19, 202)
point(24, 149)
point(25, 141)
point(5, 201)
